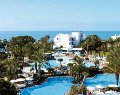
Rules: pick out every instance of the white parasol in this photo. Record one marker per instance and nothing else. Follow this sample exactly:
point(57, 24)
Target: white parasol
point(112, 85)
point(20, 79)
point(13, 81)
point(90, 88)
point(29, 78)
point(99, 86)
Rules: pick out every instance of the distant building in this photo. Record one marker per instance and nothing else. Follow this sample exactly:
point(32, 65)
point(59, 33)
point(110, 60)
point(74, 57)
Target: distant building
point(68, 40)
point(115, 37)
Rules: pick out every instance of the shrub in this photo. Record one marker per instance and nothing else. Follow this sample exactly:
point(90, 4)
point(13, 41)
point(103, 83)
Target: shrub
point(6, 88)
point(74, 90)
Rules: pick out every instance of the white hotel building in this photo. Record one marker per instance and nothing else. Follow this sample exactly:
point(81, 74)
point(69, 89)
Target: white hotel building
point(115, 37)
point(68, 41)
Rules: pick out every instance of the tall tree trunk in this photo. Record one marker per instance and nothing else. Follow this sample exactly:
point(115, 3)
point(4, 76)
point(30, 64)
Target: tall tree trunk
point(23, 60)
point(117, 78)
point(39, 74)
point(60, 63)
point(36, 67)
point(82, 82)
point(39, 71)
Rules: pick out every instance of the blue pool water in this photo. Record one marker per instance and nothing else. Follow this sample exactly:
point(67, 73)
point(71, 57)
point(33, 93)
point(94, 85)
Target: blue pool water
point(101, 79)
point(88, 64)
point(52, 86)
point(55, 63)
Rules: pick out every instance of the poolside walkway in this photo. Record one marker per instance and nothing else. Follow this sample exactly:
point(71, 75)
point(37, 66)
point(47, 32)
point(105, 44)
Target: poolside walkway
point(106, 93)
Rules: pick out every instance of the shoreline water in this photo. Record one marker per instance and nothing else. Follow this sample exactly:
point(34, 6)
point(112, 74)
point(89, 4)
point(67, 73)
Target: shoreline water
point(38, 34)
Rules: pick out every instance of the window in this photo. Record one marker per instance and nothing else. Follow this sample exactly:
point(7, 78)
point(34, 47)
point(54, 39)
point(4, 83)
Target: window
point(72, 39)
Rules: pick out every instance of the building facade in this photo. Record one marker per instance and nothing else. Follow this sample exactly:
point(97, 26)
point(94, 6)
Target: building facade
point(68, 40)
point(115, 37)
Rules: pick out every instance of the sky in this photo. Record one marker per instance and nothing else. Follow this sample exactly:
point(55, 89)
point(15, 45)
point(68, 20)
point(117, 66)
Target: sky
point(59, 15)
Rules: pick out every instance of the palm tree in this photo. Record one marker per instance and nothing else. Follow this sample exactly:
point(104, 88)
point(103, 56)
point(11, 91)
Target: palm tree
point(70, 65)
point(32, 70)
point(40, 60)
point(37, 55)
point(9, 68)
point(96, 63)
point(85, 75)
point(77, 69)
point(91, 43)
point(36, 66)
point(114, 61)
point(74, 71)
point(60, 60)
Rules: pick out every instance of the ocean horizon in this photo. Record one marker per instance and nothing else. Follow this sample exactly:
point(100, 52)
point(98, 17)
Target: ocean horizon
point(39, 34)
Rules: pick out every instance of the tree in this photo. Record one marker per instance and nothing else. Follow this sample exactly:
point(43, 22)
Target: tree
point(6, 88)
point(110, 42)
point(40, 61)
point(3, 43)
point(74, 90)
point(45, 44)
point(9, 68)
point(60, 60)
point(96, 63)
point(92, 42)
point(21, 46)
point(114, 61)
point(81, 67)
point(3, 49)
point(39, 57)
point(3, 55)
point(77, 69)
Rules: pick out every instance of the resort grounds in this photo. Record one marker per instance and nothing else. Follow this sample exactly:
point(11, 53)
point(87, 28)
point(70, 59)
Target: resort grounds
point(34, 68)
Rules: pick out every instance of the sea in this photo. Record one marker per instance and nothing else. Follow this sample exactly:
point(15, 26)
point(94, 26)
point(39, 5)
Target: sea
point(39, 34)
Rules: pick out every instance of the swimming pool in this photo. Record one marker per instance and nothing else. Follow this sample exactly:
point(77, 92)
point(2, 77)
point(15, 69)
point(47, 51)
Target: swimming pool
point(101, 79)
point(52, 86)
point(88, 64)
point(53, 64)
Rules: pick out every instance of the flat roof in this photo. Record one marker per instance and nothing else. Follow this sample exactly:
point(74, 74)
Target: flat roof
point(71, 49)
point(76, 48)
